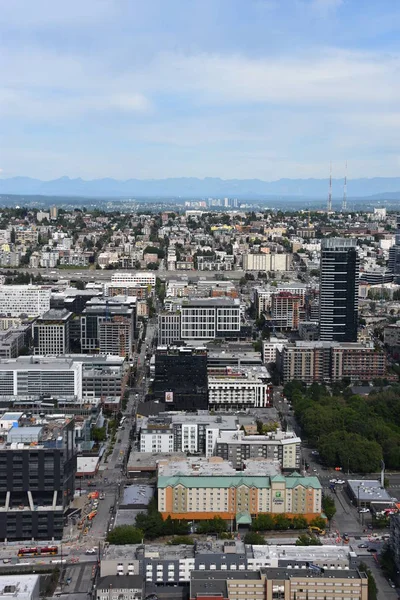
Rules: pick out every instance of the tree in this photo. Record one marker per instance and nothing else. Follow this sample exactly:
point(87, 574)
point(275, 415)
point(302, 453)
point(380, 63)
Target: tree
point(328, 506)
point(318, 522)
point(252, 537)
point(125, 534)
point(372, 589)
point(263, 523)
point(99, 434)
point(215, 525)
point(181, 539)
point(308, 540)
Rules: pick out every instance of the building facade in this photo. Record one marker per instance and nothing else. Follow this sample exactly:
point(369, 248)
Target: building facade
point(210, 318)
point(169, 328)
point(51, 333)
point(30, 300)
point(238, 389)
point(338, 302)
point(37, 480)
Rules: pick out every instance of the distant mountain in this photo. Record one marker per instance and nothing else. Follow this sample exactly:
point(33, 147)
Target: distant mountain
point(191, 187)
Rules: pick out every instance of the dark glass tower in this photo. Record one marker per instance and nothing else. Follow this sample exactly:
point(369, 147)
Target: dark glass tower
point(338, 310)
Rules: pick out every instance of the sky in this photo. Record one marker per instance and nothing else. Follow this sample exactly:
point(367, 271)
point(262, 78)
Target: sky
point(242, 89)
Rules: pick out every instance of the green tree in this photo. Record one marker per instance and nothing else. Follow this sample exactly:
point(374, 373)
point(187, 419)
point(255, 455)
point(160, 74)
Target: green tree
point(308, 540)
point(99, 434)
point(181, 539)
point(318, 522)
point(328, 506)
point(125, 534)
point(215, 525)
point(372, 589)
point(252, 537)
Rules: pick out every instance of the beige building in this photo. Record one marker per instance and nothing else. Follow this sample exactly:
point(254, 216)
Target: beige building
point(267, 262)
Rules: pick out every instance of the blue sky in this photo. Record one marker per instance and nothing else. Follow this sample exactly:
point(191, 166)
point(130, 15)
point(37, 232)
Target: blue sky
point(219, 88)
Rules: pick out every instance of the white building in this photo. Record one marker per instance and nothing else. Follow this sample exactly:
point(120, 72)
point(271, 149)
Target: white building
point(51, 333)
point(267, 262)
point(30, 300)
point(19, 587)
point(271, 348)
point(237, 389)
point(141, 278)
point(208, 318)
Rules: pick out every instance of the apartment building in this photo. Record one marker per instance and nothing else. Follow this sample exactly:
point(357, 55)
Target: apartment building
point(37, 480)
point(267, 262)
point(184, 432)
point(120, 587)
point(30, 300)
point(232, 388)
point(107, 326)
point(51, 333)
point(285, 310)
point(210, 318)
point(263, 295)
point(282, 584)
point(238, 448)
point(331, 361)
point(201, 489)
point(139, 278)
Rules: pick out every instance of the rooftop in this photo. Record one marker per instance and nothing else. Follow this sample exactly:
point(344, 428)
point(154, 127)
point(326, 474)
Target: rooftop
point(18, 586)
point(368, 490)
point(299, 553)
point(55, 314)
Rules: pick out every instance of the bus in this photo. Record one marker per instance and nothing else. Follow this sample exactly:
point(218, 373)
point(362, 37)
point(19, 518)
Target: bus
point(35, 551)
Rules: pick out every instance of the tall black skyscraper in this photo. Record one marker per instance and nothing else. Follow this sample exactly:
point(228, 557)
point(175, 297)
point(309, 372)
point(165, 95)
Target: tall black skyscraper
point(338, 309)
point(394, 255)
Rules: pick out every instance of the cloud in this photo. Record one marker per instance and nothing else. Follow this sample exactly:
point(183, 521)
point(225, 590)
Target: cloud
point(326, 7)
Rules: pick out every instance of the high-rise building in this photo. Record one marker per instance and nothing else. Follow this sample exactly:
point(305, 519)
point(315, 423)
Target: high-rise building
point(51, 333)
point(107, 327)
point(181, 378)
point(37, 480)
point(338, 306)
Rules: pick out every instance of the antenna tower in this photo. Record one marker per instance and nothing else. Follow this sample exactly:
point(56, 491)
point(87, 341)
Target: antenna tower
point(329, 206)
point(344, 203)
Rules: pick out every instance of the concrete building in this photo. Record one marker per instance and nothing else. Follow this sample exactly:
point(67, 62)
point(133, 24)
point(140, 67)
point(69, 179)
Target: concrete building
point(37, 480)
point(184, 432)
point(120, 587)
point(51, 333)
point(263, 295)
point(210, 318)
point(20, 587)
point(267, 262)
point(200, 489)
point(30, 300)
point(107, 326)
point(12, 341)
point(80, 377)
point(238, 389)
point(391, 334)
point(238, 448)
point(169, 328)
point(339, 278)
point(331, 361)
point(139, 278)
point(285, 310)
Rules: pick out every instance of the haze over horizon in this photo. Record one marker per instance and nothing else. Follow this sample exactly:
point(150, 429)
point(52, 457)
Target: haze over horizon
point(212, 88)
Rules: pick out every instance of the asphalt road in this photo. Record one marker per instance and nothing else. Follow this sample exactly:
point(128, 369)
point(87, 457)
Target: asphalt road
point(100, 275)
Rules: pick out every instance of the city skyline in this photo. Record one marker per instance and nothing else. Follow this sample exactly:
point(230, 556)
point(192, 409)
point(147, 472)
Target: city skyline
point(212, 88)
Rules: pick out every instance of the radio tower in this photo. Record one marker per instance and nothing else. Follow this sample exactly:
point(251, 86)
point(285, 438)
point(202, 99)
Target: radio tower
point(329, 206)
point(344, 203)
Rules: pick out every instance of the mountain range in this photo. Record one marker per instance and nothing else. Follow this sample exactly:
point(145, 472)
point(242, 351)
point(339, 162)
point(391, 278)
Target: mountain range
point(191, 187)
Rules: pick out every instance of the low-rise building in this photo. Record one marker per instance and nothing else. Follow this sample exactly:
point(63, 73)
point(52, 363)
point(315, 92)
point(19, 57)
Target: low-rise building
point(238, 448)
point(20, 587)
point(120, 587)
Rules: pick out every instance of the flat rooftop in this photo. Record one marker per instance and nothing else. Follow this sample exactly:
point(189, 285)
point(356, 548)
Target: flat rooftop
point(286, 574)
point(368, 490)
point(143, 461)
point(18, 586)
point(297, 553)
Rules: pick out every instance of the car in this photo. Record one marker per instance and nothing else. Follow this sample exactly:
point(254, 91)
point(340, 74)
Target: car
point(333, 481)
point(362, 546)
point(390, 582)
point(340, 481)
point(372, 550)
point(315, 452)
point(363, 510)
point(91, 551)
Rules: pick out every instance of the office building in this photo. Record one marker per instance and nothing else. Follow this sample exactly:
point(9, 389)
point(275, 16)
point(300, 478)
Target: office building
point(338, 303)
point(51, 333)
point(29, 300)
point(37, 480)
point(204, 488)
point(20, 587)
point(242, 585)
point(180, 380)
point(210, 318)
point(169, 328)
point(79, 377)
point(232, 388)
point(330, 361)
point(238, 448)
point(139, 278)
point(12, 341)
point(107, 326)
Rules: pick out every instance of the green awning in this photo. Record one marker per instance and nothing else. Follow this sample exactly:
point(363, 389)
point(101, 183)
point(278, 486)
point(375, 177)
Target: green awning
point(243, 518)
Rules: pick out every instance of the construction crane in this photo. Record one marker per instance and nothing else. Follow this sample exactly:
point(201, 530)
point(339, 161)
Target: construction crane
point(329, 205)
point(344, 203)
